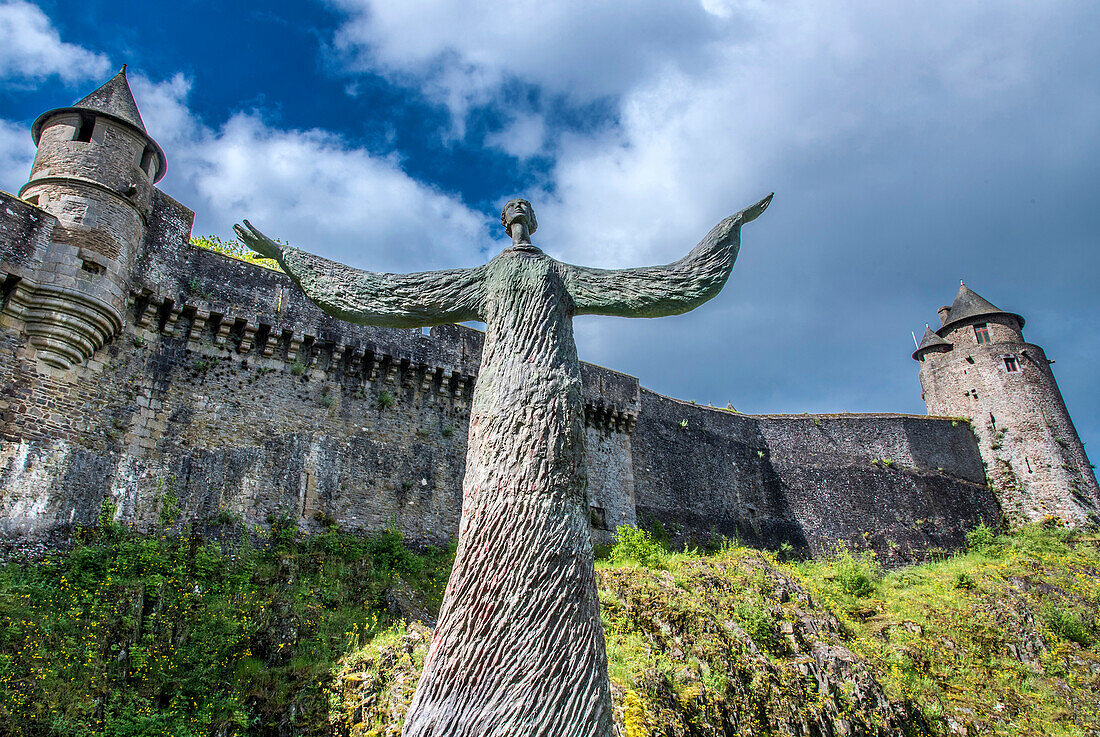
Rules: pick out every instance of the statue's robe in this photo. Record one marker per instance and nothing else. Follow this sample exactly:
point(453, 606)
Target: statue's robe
point(519, 648)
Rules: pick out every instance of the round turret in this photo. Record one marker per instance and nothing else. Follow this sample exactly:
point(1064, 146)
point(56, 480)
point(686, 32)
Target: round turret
point(94, 171)
point(977, 365)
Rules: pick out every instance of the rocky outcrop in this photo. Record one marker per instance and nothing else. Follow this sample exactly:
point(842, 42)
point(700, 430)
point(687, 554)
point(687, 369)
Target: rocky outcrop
point(691, 655)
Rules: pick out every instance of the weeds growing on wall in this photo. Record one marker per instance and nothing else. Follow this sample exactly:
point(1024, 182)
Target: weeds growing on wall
point(234, 249)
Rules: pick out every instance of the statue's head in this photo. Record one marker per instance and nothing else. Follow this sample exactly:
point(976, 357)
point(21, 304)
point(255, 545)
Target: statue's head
point(516, 209)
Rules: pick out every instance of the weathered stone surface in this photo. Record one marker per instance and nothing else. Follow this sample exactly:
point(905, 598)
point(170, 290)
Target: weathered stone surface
point(223, 382)
point(226, 385)
point(148, 409)
point(900, 484)
point(100, 200)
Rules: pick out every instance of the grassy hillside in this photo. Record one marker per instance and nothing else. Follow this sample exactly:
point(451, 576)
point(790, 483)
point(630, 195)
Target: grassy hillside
point(173, 635)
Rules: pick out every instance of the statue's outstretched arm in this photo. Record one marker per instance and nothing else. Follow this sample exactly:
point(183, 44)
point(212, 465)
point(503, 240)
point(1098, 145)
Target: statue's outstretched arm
point(656, 291)
point(371, 298)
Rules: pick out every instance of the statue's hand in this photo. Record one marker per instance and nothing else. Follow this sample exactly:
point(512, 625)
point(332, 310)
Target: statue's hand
point(258, 242)
point(752, 212)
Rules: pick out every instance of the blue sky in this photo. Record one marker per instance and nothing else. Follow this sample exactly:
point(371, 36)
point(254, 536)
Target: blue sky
point(909, 145)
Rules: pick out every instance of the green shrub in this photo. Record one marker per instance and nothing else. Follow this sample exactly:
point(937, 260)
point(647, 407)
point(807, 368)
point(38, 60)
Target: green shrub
point(163, 634)
point(386, 399)
point(636, 544)
point(169, 510)
point(786, 551)
point(1067, 624)
point(963, 580)
point(980, 538)
point(227, 517)
point(325, 519)
point(758, 624)
point(106, 519)
point(857, 576)
point(194, 286)
point(234, 249)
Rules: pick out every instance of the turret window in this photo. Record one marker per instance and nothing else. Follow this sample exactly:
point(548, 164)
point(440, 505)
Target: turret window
point(84, 129)
point(981, 334)
point(1011, 364)
point(148, 161)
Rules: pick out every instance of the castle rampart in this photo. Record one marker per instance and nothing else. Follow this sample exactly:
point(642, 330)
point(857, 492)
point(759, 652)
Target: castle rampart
point(902, 484)
point(139, 370)
point(227, 390)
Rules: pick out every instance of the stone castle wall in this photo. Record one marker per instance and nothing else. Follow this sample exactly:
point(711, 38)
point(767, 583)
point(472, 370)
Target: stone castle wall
point(902, 484)
point(228, 392)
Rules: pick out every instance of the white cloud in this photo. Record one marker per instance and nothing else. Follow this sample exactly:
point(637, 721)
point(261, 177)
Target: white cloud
point(164, 110)
point(808, 81)
point(908, 144)
point(308, 187)
point(714, 98)
point(466, 53)
point(16, 155)
point(31, 48)
point(523, 137)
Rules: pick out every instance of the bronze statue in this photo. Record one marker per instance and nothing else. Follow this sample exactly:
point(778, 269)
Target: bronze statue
point(519, 648)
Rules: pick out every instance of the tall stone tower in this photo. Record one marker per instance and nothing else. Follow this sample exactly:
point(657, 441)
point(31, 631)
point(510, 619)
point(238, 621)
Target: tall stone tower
point(94, 171)
point(977, 365)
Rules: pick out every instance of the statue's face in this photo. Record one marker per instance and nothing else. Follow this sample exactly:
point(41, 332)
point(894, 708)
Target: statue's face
point(518, 210)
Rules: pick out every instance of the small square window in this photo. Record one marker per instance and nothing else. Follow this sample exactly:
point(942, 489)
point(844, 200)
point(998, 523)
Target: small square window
point(981, 333)
point(1011, 365)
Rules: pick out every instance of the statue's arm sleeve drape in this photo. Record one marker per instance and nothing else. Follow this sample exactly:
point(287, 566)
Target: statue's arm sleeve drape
point(656, 291)
point(390, 300)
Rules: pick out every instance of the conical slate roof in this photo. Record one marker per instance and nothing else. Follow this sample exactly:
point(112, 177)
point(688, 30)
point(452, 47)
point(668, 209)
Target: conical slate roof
point(930, 340)
point(113, 100)
point(969, 304)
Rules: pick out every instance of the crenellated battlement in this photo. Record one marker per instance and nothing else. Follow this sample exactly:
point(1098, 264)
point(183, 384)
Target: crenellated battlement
point(260, 313)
